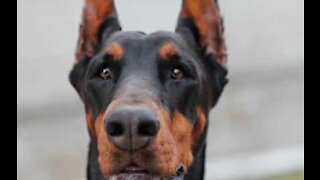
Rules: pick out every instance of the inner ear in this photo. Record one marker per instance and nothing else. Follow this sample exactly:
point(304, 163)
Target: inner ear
point(99, 19)
point(201, 19)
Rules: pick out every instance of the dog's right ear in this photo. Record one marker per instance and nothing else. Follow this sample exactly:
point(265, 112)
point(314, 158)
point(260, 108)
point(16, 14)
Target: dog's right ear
point(99, 19)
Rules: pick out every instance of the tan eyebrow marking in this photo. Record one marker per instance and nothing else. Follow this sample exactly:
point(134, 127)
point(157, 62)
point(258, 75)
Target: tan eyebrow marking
point(167, 51)
point(115, 51)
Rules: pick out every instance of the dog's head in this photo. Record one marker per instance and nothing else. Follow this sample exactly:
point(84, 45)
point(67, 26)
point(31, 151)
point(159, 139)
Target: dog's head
point(147, 96)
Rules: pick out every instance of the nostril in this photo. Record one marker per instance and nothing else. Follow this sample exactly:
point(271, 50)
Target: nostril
point(148, 128)
point(131, 128)
point(115, 129)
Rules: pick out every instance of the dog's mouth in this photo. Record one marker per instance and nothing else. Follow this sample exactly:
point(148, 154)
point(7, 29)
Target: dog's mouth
point(134, 172)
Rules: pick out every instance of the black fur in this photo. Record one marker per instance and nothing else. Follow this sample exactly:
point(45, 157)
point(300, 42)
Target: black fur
point(142, 69)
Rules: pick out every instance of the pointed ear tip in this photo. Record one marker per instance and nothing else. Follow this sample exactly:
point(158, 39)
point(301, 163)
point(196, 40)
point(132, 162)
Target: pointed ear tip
point(97, 15)
point(205, 25)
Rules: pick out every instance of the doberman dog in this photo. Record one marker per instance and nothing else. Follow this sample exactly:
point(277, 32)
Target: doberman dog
point(147, 97)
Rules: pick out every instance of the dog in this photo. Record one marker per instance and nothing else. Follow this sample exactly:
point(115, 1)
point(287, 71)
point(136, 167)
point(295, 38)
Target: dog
point(147, 96)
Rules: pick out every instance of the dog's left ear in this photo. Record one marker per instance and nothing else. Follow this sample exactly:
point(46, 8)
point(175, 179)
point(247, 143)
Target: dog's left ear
point(202, 19)
point(201, 24)
point(99, 17)
point(99, 20)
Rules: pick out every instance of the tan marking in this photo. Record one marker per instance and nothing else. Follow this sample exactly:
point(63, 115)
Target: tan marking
point(167, 51)
point(181, 130)
point(115, 51)
point(90, 123)
point(200, 124)
point(107, 151)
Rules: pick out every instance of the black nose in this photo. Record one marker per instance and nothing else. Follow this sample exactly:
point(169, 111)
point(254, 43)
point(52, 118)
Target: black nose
point(131, 128)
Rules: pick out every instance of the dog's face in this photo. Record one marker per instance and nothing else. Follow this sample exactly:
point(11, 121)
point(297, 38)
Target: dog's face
point(147, 96)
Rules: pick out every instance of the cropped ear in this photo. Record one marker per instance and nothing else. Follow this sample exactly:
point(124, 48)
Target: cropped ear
point(201, 19)
point(99, 17)
point(99, 20)
point(200, 23)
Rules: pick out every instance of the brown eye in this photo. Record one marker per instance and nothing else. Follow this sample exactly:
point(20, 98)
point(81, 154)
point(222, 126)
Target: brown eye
point(177, 74)
point(105, 73)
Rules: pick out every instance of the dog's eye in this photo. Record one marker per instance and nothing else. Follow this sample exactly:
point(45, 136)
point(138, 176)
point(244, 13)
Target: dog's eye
point(105, 73)
point(177, 74)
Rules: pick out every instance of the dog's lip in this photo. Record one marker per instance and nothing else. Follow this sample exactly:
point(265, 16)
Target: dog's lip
point(133, 168)
point(135, 172)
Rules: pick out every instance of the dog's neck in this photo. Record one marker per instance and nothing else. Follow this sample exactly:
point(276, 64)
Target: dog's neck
point(196, 170)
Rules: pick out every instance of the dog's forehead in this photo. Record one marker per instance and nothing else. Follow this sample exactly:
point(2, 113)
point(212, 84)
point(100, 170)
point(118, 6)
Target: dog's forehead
point(134, 39)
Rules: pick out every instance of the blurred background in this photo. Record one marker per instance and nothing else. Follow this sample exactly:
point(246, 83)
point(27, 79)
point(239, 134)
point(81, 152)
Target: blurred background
point(256, 130)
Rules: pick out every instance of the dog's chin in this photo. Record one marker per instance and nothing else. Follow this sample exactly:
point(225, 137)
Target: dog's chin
point(142, 176)
point(136, 173)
